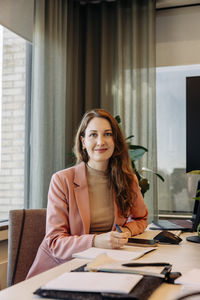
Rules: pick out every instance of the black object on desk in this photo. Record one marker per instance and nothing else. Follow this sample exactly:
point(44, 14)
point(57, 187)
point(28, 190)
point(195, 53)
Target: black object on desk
point(142, 242)
point(167, 237)
point(150, 264)
point(141, 291)
point(194, 239)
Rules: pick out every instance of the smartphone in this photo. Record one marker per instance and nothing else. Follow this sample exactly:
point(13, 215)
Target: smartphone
point(142, 242)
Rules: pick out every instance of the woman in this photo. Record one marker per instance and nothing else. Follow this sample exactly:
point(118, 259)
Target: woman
point(87, 200)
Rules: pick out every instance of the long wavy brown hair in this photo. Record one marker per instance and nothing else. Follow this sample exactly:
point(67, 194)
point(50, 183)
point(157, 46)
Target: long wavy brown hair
point(120, 172)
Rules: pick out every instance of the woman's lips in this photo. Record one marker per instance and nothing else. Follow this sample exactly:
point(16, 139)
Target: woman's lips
point(100, 150)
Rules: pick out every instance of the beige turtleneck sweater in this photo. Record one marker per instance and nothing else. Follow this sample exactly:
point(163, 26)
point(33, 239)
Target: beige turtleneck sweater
point(101, 201)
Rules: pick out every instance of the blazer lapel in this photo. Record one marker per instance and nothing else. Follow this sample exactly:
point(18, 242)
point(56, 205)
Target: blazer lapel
point(82, 195)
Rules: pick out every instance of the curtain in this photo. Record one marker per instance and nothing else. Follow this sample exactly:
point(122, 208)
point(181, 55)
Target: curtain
point(48, 101)
point(86, 56)
point(134, 84)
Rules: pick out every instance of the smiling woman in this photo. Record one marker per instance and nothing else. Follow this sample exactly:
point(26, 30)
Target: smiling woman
point(87, 200)
point(98, 143)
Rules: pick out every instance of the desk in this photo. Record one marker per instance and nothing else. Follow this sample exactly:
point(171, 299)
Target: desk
point(183, 257)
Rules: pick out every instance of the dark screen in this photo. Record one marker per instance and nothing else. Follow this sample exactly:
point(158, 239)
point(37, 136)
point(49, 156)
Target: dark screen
point(192, 123)
point(196, 211)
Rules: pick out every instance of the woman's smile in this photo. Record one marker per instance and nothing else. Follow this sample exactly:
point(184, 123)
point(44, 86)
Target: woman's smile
point(102, 150)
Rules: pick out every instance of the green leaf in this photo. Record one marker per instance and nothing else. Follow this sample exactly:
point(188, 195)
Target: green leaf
point(197, 196)
point(135, 147)
point(71, 154)
point(129, 137)
point(148, 170)
point(196, 172)
point(118, 119)
point(136, 154)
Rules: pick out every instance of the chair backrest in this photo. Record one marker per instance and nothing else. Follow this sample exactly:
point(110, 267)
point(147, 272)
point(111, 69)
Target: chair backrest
point(25, 234)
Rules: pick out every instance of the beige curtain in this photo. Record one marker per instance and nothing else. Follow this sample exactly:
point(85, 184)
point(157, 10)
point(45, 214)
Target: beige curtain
point(48, 103)
point(87, 56)
point(134, 84)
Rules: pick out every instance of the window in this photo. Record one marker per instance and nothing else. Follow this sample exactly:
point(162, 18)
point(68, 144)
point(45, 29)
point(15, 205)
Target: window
point(176, 194)
point(12, 113)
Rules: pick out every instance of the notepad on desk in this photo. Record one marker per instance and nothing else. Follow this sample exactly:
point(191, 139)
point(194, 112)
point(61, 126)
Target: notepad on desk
point(119, 268)
point(92, 282)
point(122, 254)
point(104, 263)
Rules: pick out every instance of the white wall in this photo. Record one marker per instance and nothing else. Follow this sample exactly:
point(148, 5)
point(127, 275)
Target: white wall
point(178, 36)
point(17, 16)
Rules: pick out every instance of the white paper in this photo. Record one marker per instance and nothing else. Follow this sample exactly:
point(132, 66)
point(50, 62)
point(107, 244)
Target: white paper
point(94, 282)
point(122, 254)
point(190, 278)
point(189, 289)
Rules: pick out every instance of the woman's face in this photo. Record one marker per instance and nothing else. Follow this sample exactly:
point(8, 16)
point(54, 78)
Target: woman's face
point(99, 143)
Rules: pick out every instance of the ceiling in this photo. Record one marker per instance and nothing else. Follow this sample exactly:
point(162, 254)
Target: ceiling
point(175, 3)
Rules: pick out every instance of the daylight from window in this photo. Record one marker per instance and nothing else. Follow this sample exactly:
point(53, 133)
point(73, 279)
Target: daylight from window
point(1, 67)
point(12, 107)
point(175, 194)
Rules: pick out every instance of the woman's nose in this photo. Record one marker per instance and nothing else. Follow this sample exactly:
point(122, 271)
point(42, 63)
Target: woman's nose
point(100, 140)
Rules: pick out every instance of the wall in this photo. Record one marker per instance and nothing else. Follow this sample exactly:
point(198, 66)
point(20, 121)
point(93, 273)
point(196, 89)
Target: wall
point(18, 16)
point(12, 123)
point(177, 36)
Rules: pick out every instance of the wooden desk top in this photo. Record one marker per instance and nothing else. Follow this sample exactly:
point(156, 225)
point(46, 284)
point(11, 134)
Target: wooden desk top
point(183, 257)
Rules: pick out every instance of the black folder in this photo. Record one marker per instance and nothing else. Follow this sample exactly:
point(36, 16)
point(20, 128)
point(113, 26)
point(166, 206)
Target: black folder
point(141, 291)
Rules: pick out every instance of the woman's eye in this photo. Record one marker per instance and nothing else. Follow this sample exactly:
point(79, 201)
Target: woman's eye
point(109, 134)
point(92, 134)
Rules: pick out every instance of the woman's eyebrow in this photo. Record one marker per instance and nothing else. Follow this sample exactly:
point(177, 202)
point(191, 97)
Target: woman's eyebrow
point(94, 130)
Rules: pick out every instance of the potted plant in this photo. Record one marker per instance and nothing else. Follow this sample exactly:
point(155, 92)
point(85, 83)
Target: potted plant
point(136, 152)
point(198, 198)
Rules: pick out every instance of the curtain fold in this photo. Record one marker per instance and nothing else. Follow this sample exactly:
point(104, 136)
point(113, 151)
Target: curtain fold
point(87, 56)
point(134, 97)
point(48, 103)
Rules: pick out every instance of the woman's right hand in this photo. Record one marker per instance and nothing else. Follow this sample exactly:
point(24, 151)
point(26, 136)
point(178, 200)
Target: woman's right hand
point(111, 239)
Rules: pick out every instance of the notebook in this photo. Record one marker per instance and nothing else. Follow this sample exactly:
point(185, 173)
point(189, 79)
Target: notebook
point(104, 263)
point(93, 282)
point(174, 224)
point(124, 253)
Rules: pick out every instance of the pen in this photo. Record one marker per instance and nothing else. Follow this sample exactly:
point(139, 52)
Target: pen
point(118, 228)
point(160, 264)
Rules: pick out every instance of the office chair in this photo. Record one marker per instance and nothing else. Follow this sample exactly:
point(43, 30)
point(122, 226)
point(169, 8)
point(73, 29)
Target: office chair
point(25, 233)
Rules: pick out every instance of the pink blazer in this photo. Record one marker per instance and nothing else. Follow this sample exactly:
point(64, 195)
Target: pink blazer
point(68, 219)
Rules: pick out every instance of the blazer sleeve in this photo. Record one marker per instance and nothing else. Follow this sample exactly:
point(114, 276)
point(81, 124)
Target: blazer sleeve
point(58, 237)
point(137, 222)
